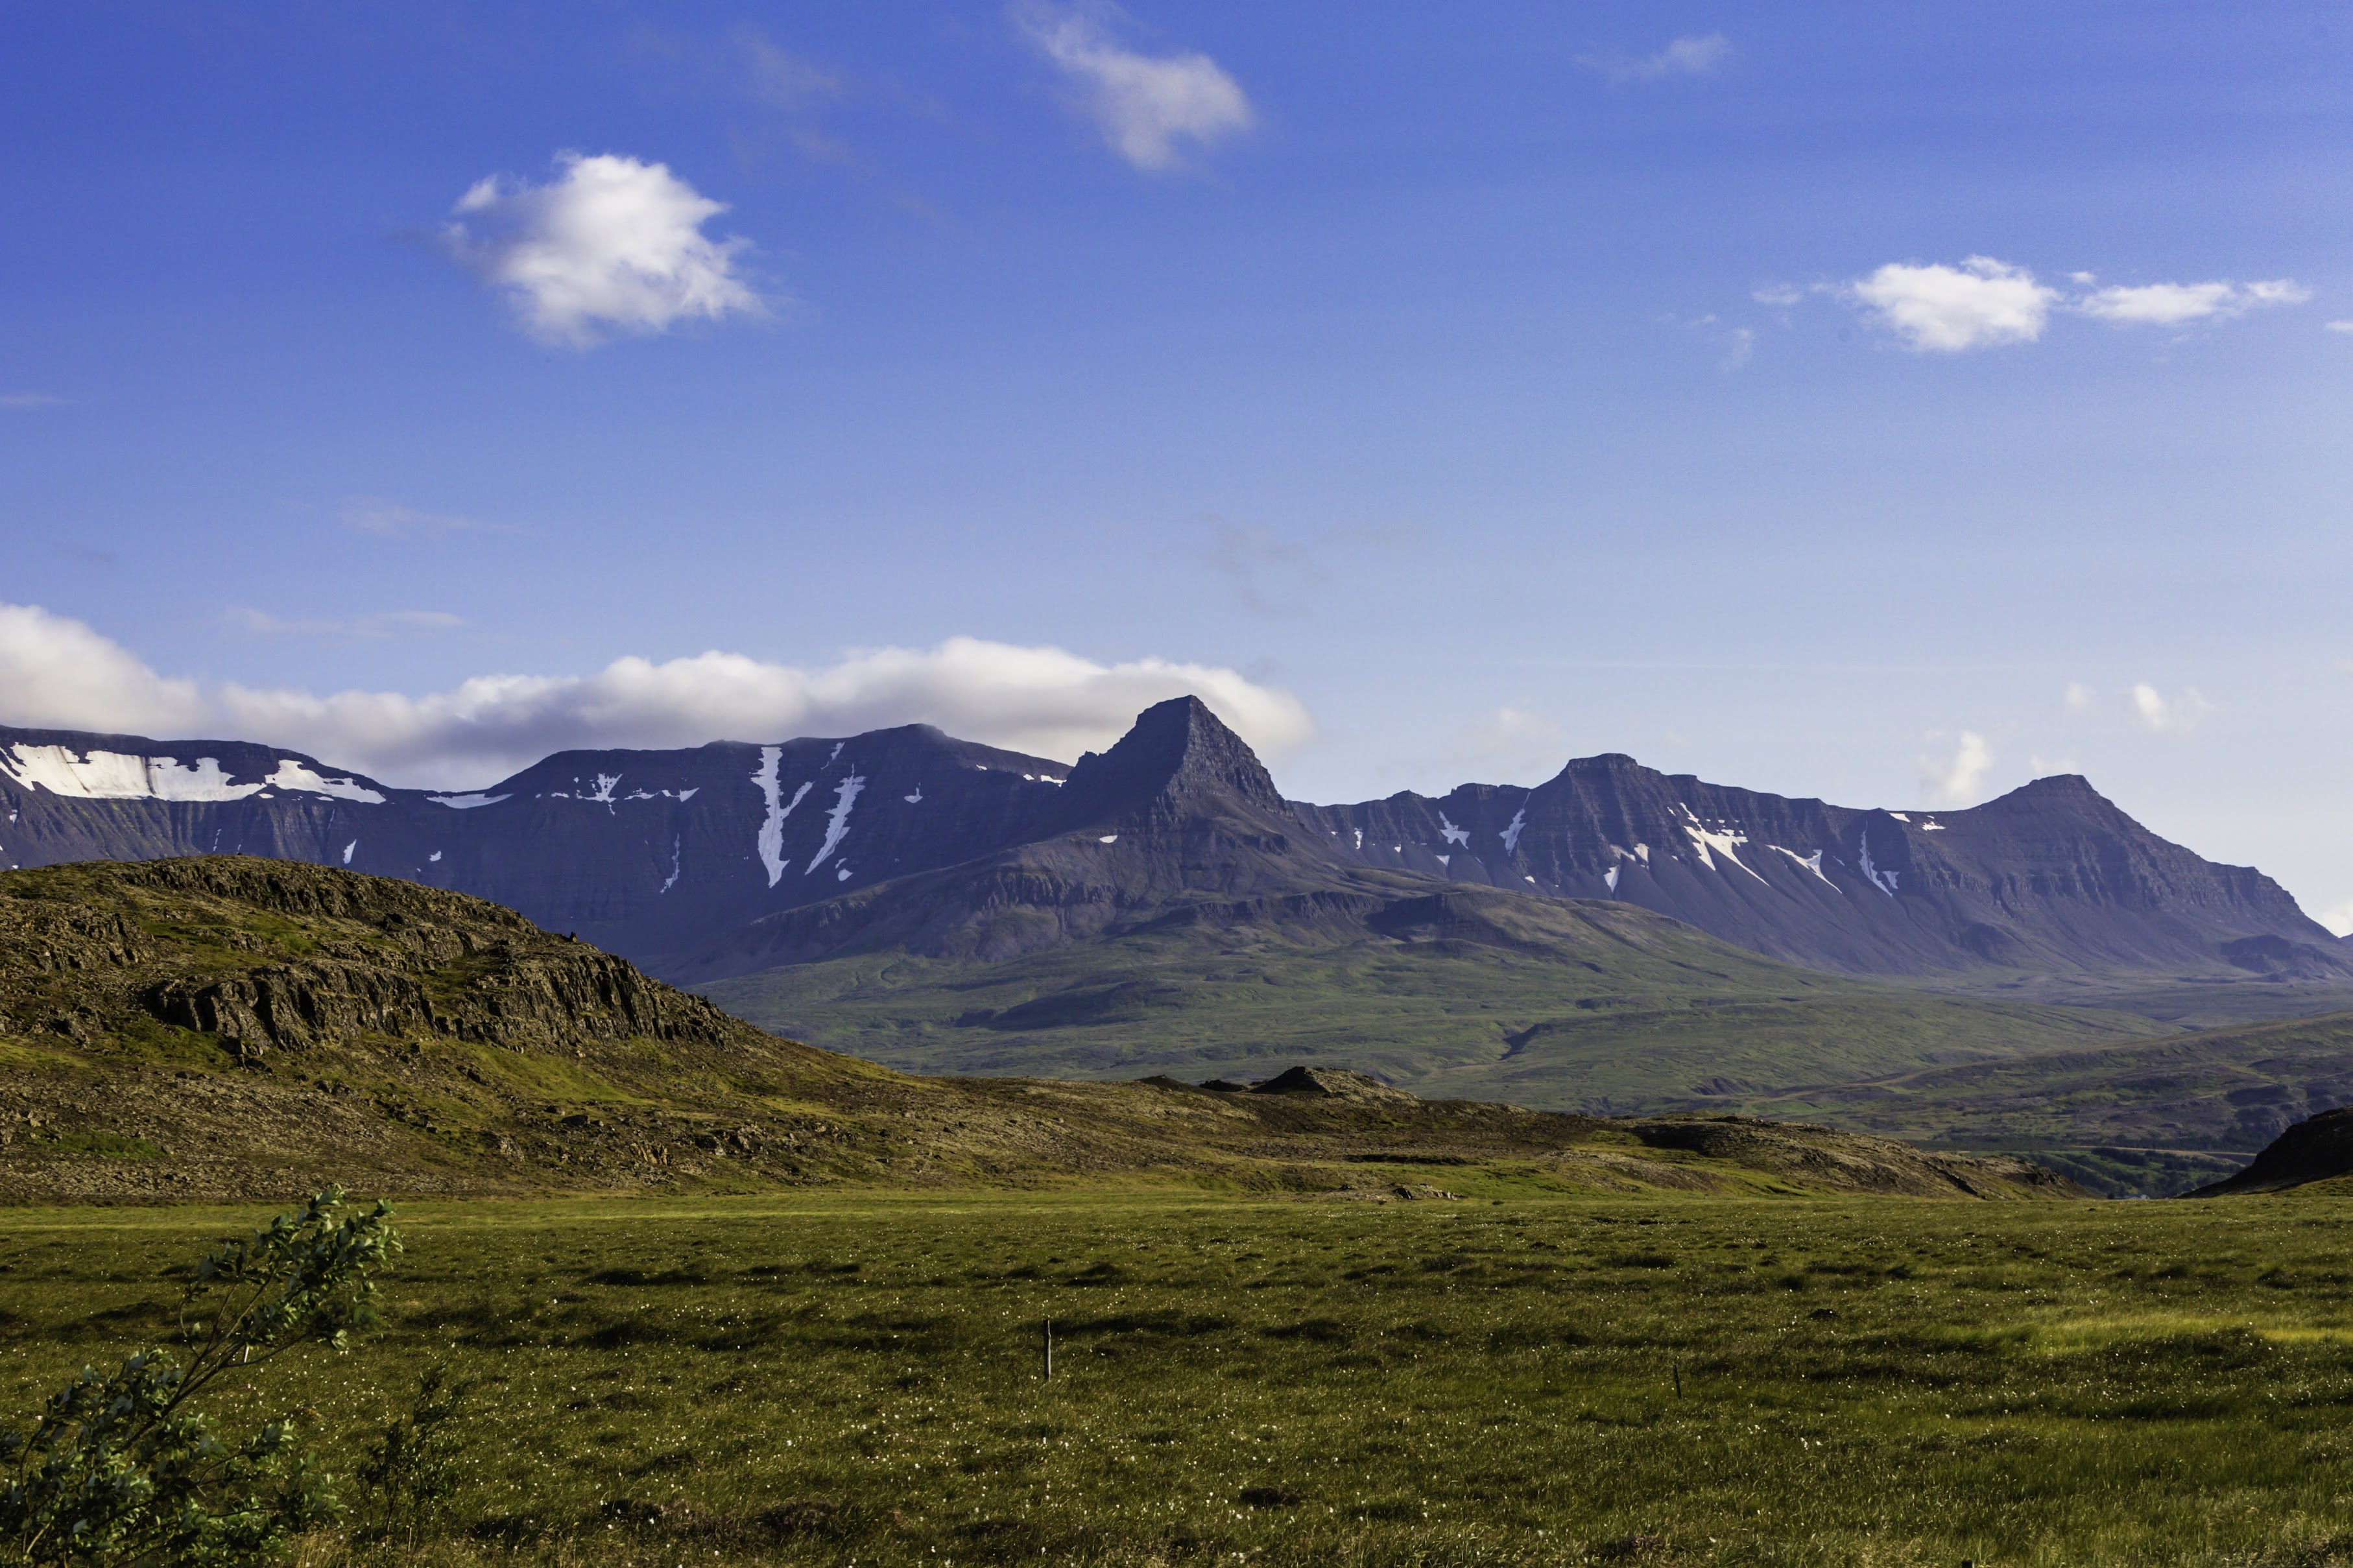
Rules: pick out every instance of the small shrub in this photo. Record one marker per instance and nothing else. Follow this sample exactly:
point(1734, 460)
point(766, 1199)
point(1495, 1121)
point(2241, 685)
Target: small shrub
point(122, 1468)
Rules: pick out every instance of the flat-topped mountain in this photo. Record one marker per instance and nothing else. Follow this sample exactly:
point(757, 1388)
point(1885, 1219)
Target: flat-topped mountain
point(734, 856)
point(641, 852)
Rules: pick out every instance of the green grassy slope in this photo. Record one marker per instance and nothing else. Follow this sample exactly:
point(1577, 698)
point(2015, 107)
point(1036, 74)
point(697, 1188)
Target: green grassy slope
point(818, 1379)
point(1601, 1008)
point(2155, 1116)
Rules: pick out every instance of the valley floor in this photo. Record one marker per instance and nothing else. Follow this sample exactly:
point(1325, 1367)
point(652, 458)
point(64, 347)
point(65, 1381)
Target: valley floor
point(1506, 1377)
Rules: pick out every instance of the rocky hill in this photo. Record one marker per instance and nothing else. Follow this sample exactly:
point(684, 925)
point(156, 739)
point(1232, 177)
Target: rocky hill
point(236, 1028)
point(2318, 1149)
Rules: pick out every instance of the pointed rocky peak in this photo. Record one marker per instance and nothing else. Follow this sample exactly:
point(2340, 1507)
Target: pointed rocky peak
point(1178, 753)
point(2069, 792)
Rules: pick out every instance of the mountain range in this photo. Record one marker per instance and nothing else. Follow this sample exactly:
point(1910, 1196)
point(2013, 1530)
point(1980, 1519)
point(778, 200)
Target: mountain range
point(730, 858)
point(1613, 940)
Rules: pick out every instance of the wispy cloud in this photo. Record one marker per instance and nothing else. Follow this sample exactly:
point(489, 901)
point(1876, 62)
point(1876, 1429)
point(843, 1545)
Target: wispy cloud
point(1932, 308)
point(1692, 55)
point(56, 672)
point(1143, 105)
point(1276, 574)
point(390, 520)
point(32, 400)
point(1956, 776)
point(2163, 715)
point(1269, 573)
point(1514, 741)
point(1737, 345)
point(2337, 918)
point(783, 80)
point(611, 245)
point(372, 628)
point(2079, 697)
point(2174, 304)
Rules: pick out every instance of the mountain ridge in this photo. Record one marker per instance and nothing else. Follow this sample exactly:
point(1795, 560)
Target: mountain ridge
point(791, 851)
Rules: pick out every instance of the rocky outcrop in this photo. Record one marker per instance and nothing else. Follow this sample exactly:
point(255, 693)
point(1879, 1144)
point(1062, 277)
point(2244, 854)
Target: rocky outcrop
point(2314, 1149)
point(373, 958)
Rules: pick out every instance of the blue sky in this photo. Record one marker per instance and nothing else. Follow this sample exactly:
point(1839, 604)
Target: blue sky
point(1888, 403)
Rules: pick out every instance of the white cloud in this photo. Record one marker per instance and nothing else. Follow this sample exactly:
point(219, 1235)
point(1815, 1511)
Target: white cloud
point(1957, 778)
point(2040, 766)
point(1982, 304)
point(2341, 326)
point(1144, 104)
point(1689, 56)
point(2337, 918)
point(2079, 697)
point(59, 673)
point(1780, 296)
point(2162, 715)
point(611, 245)
point(360, 628)
point(2172, 304)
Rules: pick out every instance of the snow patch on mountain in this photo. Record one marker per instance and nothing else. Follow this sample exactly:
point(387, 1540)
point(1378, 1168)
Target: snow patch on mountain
point(1884, 880)
point(1511, 834)
point(1813, 862)
point(837, 821)
point(118, 775)
point(292, 775)
point(771, 840)
point(1711, 842)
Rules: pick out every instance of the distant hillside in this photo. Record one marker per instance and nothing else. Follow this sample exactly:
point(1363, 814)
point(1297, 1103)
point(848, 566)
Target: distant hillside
point(1595, 1007)
point(2154, 1116)
point(233, 1027)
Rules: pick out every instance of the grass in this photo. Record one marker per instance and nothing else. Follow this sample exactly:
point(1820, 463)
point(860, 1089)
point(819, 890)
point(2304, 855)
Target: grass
point(1511, 1378)
point(1566, 1020)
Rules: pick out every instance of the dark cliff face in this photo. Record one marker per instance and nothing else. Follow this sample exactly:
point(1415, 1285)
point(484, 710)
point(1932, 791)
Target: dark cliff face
point(2051, 876)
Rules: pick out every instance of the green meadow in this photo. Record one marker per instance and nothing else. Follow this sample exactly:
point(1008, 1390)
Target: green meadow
point(1508, 1376)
